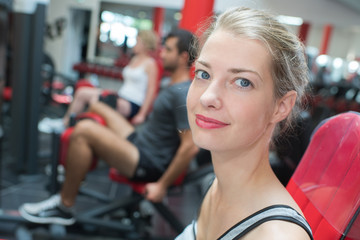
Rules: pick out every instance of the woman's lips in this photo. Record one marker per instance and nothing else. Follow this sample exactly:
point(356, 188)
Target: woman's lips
point(209, 123)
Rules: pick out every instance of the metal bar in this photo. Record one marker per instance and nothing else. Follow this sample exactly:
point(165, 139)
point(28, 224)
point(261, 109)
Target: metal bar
point(54, 184)
point(19, 82)
point(121, 203)
point(33, 102)
point(173, 221)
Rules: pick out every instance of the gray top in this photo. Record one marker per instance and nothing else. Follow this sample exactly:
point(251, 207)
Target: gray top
point(275, 212)
point(159, 137)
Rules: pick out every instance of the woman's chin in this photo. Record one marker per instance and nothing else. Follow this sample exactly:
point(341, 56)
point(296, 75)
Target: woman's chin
point(205, 143)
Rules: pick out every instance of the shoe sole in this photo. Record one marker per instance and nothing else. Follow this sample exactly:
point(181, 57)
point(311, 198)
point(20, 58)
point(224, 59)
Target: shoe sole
point(47, 220)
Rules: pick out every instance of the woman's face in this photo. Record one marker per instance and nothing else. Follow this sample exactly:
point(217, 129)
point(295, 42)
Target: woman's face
point(231, 100)
point(139, 46)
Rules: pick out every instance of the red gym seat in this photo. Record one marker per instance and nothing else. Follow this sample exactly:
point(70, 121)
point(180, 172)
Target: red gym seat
point(326, 183)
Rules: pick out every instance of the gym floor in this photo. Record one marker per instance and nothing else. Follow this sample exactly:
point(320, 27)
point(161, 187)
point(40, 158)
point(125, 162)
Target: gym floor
point(17, 189)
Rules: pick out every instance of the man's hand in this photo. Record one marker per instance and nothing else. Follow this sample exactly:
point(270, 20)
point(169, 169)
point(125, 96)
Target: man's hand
point(155, 192)
point(138, 119)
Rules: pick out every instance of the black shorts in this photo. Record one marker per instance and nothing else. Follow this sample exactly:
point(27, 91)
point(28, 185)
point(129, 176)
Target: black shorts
point(111, 100)
point(134, 109)
point(146, 171)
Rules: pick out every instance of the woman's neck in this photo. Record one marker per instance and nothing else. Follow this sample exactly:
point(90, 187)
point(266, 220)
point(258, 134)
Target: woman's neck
point(142, 55)
point(138, 59)
point(238, 175)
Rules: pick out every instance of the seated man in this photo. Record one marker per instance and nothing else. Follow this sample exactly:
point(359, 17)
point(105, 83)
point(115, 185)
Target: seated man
point(157, 152)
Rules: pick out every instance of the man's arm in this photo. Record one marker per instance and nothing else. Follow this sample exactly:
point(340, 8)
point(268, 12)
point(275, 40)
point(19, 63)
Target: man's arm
point(185, 153)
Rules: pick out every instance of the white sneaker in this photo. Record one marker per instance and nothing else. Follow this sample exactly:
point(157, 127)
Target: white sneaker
point(47, 211)
point(50, 125)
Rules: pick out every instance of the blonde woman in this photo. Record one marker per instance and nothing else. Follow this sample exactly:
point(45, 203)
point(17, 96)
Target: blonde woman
point(136, 95)
point(250, 75)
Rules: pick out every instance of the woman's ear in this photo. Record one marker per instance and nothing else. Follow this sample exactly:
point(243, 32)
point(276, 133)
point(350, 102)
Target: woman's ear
point(284, 106)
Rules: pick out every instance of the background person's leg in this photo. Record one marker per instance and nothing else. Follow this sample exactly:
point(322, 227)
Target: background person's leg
point(82, 97)
point(88, 139)
point(123, 107)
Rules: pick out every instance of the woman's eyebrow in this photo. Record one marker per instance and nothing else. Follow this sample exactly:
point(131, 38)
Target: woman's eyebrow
point(204, 63)
point(240, 70)
point(232, 70)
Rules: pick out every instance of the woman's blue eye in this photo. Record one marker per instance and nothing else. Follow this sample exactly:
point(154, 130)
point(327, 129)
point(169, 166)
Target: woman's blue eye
point(202, 74)
point(243, 82)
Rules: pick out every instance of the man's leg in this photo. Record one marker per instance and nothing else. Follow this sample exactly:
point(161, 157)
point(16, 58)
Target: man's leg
point(87, 140)
point(114, 121)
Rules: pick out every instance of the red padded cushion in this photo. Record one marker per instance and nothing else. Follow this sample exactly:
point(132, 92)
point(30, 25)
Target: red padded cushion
point(138, 187)
point(326, 183)
point(61, 98)
point(83, 83)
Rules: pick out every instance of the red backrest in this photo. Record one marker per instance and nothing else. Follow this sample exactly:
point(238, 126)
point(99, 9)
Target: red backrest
point(326, 183)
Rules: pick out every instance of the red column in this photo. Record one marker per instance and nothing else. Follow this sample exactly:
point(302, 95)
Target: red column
point(303, 31)
point(326, 39)
point(194, 13)
point(158, 19)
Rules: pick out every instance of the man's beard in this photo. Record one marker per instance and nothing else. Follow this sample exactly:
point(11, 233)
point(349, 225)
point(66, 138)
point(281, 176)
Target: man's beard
point(171, 67)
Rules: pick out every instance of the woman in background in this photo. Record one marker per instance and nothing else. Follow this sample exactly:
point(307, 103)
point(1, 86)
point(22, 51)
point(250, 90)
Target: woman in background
point(134, 98)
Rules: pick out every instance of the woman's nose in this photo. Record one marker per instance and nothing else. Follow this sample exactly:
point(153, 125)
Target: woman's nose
point(211, 97)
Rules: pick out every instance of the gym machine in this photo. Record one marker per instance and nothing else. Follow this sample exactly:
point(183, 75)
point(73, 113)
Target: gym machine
point(27, 52)
point(25, 39)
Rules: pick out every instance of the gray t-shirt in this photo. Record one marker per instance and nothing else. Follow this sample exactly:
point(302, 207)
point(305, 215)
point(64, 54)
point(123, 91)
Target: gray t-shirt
point(159, 137)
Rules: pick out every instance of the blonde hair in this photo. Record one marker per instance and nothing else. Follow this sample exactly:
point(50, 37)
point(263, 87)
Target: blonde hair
point(289, 70)
point(149, 39)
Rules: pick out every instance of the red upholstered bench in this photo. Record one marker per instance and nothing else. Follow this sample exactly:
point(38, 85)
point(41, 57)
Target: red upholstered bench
point(326, 183)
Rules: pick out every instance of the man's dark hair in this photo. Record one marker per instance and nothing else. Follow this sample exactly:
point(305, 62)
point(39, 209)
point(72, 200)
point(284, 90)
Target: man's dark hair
point(186, 42)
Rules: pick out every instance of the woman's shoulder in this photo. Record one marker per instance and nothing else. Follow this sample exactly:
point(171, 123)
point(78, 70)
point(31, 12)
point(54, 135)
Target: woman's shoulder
point(277, 221)
point(150, 61)
point(278, 230)
point(149, 64)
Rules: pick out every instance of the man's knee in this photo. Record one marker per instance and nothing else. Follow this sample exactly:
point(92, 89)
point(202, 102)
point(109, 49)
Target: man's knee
point(83, 128)
point(83, 92)
point(79, 93)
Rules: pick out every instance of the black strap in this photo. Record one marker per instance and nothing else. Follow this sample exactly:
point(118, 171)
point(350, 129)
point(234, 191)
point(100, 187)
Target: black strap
point(283, 218)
